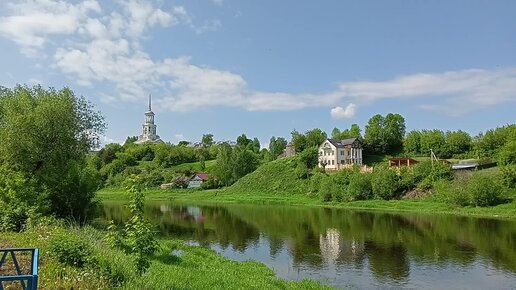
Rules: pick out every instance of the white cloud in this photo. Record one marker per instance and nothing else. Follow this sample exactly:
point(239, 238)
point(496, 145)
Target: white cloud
point(217, 2)
point(343, 113)
point(107, 46)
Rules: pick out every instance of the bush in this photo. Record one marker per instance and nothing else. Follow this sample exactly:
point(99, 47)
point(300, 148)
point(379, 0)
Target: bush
point(359, 187)
point(315, 182)
point(70, 249)
point(509, 176)
point(384, 183)
point(484, 190)
point(326, 189)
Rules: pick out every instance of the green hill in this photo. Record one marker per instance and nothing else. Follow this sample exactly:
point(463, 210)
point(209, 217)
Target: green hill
point(278, 176)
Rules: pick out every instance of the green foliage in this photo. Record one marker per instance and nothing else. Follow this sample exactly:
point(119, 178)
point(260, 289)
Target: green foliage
point(360, 187)
point(70, 249)
point(412, 143)
point(384, 183)
point(484, 190)
point(277, 146)
point(507, 153)
point(207, 140)
point(327, 190)
point(315, 182)
point(385, 134)
point(508, 176)
point(457, 142)
point(309, 157)
point(138, 237)
point(46, 135)
point(488, 144)
point(298, 141)
point(314, 138)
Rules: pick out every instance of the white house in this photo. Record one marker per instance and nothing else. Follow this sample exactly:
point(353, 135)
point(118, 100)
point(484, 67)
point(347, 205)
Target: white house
point(338, 154)
point(198, 179)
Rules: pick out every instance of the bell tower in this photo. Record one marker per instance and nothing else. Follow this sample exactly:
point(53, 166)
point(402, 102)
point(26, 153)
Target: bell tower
point(149, 128)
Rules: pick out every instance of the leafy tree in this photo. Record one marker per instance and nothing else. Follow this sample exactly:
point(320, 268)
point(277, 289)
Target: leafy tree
point(183, 143)
point(46, 134)
point(256, 145)
point(394, 130)
point(385, 134)
point(244, 161)
point(315, 137)
point(298, 141)
point(277, 146)
point(224, 163)
point(130, 140)
point(108, 153)
point(243, 141)
point(207, 140)
point(375, 139)
point(507, 153)
point(138, 237)
point(457, 142)
point(309, 157)
point(412, 142)
point(353, 132)
point(433, 140)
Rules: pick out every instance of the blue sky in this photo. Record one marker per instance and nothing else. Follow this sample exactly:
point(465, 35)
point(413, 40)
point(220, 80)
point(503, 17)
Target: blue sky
point(265, 68)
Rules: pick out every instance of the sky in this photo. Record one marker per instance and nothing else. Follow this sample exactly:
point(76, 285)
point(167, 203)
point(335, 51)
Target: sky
point(265, 68)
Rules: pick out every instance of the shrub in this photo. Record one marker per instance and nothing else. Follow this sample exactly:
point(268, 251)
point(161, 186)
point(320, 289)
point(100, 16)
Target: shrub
point(509, 176)
point(359, 187)
point(326, 189)
point(384, 183)
point(315, 182)
point(70, 249)
point(484, 190)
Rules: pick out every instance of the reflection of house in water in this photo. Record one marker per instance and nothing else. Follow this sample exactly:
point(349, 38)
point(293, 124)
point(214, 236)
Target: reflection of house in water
point(334, 248)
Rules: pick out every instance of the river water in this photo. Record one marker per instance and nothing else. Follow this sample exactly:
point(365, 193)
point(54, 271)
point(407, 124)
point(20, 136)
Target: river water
point(348, 249)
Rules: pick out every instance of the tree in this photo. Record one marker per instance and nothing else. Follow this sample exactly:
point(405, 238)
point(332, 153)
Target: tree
point(355, 132)
point(243, 141)
point(207, 140)
point(394, 132)
point(108, 153)
point(183, 143)
point(374, 137)
point(298, 141)
point(277, 146)
point(224, 164)
point(46, 134)
point(412, 143)
point(385, 134)
point(433, 140)
point(457, 142)
point(244, 161)
point(315, 137)
point(256, 145)
point(130, 140)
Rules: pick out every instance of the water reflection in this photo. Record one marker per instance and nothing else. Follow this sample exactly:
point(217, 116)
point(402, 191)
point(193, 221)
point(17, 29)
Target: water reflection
point(348, 248)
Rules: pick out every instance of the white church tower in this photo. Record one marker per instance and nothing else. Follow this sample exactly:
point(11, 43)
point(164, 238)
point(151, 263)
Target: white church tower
point(149, 128)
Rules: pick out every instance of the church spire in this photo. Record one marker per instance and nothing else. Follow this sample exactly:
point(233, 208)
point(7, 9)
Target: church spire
point(150, 109)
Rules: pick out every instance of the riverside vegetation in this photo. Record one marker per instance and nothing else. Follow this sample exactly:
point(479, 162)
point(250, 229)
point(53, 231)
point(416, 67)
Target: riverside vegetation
point(47, 200)
point(48, 185)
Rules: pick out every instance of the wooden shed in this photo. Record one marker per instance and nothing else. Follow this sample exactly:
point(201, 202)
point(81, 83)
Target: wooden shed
point(402, 161)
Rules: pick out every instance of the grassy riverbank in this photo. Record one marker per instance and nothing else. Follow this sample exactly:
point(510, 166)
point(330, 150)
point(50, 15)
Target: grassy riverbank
point(225, 196)
point(175, 266)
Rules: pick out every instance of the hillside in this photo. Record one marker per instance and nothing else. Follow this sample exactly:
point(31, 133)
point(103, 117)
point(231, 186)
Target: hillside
point(274, 177)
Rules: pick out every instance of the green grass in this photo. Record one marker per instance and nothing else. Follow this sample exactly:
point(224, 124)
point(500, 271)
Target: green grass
point(507, 211)
point(190, 268)
point(195, 166)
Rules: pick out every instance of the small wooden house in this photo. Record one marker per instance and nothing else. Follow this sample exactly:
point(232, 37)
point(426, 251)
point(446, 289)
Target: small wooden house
point(198, 179)
point(402, 161)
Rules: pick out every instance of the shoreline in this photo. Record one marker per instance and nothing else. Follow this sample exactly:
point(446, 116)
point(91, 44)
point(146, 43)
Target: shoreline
point(207, 197)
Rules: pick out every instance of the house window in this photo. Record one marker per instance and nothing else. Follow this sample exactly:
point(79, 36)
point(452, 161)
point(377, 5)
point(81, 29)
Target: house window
point(342, 152)
point(332, 152)
point(333, 162)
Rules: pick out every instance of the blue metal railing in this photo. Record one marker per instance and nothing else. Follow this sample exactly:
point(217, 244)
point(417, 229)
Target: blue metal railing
point(28, 281)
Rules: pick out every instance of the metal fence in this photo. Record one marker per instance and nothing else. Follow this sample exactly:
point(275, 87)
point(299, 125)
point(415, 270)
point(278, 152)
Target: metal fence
point(28, 281)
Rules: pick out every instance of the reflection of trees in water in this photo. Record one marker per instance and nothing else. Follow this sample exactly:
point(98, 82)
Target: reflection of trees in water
point(315, 236)
point(388, 261)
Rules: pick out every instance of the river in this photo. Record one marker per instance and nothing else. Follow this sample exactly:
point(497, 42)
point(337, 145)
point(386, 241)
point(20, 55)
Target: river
point(346, 248)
